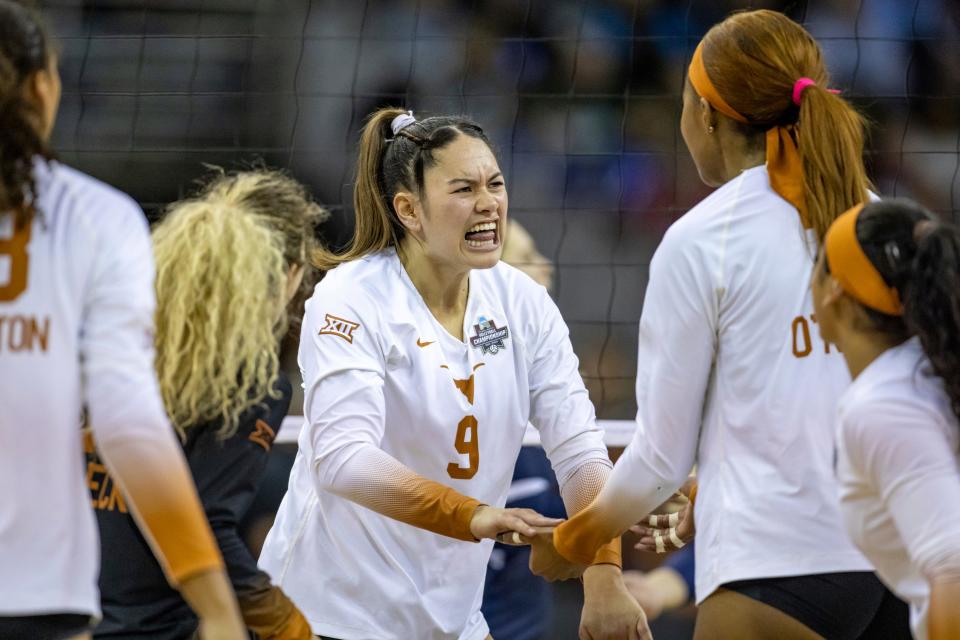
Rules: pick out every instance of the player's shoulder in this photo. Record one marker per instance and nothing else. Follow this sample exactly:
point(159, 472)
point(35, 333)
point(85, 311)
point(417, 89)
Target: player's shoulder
point(68, 192)
point(897, 388)
point(747, 192)
point(368, 278)
point(359, 291)
point(713, 225)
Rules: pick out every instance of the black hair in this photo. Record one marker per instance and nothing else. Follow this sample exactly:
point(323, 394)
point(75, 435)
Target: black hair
point(409, 153)
point(389, 163)
point(24, 50)
point(918, 255)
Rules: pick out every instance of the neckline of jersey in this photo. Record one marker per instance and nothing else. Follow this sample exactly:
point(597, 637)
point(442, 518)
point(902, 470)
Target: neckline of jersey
point(439, 329)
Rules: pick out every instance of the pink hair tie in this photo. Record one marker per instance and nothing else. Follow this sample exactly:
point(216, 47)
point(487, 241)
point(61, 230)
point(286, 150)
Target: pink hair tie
point(802, 84)
point(798, 88)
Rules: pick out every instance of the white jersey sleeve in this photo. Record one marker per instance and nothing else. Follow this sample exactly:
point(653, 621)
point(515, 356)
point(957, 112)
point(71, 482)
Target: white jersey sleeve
point(126, 413)
point(677, 343)
point(116, 341)
point(904, 452)
point(560, 408)
point(343, 370)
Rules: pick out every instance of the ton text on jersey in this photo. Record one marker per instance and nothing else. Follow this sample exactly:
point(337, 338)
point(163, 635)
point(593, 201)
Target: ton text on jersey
point(29, 334)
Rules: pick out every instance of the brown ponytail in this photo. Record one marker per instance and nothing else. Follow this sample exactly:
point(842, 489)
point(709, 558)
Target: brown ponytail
point(23, 51)
point(375, 227)
point(388, 163)
point(754, 59)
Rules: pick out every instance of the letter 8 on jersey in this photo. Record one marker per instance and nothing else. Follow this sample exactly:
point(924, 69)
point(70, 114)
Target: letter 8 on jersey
point(468, 444)
point(15, 250)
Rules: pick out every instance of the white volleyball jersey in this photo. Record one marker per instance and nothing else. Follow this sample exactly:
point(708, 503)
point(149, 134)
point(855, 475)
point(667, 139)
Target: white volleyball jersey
point(732, 375)
point(380, 371)
point(898, 465)
point(76, 307)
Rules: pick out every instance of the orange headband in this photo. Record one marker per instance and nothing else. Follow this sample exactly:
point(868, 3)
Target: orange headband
point(853, 269)
point(783, 159)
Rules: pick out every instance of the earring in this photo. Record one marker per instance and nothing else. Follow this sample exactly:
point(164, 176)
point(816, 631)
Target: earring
point(710, 129)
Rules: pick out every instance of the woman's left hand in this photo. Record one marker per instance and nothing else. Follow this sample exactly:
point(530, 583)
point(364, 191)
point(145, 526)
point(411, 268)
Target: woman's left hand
point(609, 611)
point(667, 532)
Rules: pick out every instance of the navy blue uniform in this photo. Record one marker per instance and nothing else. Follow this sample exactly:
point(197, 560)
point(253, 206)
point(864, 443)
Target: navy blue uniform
point(517, 604)
point(137, 601)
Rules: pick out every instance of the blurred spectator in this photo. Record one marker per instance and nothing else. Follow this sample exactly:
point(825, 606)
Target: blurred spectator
point(667, 587)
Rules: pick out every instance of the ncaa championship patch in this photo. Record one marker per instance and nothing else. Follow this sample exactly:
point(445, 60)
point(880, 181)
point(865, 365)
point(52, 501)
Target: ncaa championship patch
point(489, 337)
point(339, 327)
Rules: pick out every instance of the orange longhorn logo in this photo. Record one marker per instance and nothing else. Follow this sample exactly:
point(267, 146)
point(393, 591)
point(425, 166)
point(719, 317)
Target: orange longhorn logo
point(465, 386)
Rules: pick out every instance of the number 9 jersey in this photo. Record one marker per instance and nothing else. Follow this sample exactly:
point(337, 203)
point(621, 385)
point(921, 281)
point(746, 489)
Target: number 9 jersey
point(389, 391)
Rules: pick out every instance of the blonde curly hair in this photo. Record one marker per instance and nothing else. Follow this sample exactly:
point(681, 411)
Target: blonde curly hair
point(222, 261)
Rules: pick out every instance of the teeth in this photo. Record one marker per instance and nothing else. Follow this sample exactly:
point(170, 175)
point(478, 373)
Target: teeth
point(484, 226)
point(476, 244)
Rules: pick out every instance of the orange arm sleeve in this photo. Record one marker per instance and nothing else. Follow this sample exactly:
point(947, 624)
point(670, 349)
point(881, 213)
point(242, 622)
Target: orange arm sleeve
point(153, 476)
point(374, 479)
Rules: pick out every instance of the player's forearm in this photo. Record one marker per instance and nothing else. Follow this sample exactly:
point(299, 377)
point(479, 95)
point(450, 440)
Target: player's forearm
point(377, 481)
point(631, 492)
point(944, 616)
point(211, 597)
point(579, 492)
point(156, 483)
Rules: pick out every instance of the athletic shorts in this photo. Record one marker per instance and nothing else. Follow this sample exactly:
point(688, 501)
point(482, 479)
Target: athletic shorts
point(55, 626)
point(838, 606)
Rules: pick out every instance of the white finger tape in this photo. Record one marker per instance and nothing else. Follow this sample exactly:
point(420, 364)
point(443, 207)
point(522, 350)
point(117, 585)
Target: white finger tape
point(675, 539)
point(673, 519)
point(516, 538)
point(652, 521)
point(658, 540)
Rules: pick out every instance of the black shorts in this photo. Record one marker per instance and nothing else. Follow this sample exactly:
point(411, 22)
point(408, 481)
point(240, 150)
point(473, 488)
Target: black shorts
point(55, 626)
point(838, 606)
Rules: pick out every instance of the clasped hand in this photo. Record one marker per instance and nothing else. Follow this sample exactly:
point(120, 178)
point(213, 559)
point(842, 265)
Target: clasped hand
point(526, 527)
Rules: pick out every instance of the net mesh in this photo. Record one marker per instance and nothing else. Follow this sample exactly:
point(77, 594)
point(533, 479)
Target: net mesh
point(582, 99)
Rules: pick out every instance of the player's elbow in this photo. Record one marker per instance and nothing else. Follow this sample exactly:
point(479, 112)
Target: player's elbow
point(131, 425)
point(333, 467)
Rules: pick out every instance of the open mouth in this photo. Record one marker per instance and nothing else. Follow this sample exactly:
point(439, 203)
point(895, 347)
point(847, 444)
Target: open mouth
point(482, 236)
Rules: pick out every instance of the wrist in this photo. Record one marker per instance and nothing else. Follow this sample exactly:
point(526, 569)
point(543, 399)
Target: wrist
point(473, 522)
point(602, 578)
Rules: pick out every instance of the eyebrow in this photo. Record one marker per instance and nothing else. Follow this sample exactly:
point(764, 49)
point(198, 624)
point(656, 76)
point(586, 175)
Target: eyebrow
point(498, 174)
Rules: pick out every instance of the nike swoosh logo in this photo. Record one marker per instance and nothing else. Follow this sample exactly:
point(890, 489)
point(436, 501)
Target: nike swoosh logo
point(424, 344)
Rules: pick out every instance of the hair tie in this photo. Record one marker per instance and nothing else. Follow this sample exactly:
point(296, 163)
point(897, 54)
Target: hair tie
point(402, 121)
point(798, 88)
point(802, 84)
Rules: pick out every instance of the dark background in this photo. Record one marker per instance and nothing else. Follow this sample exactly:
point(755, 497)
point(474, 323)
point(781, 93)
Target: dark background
point(582, 99)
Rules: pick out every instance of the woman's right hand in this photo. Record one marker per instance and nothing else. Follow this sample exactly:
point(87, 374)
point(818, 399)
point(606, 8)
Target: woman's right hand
point(489, 521)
